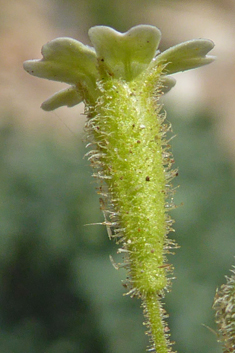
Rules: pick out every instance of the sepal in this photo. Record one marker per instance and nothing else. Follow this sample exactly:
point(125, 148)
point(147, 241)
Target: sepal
point(69, 97)
point(185, 56)
point(65, 60)
point(168, 83)
point(125, 55)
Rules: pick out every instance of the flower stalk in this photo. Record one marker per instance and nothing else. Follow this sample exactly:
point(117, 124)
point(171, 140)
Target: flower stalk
point(121, 81)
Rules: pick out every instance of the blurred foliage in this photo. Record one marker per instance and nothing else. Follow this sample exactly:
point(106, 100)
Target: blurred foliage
point(58, 290)
point(204, 229)
point(120, 15)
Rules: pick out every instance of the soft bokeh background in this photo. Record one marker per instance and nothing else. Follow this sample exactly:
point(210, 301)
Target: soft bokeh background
point(58, 291)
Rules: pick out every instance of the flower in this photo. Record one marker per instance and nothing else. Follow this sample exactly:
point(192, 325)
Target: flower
point(119, 55)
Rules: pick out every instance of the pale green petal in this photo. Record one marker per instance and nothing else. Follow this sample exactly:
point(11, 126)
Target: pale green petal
point(185, 56)
point(69, 96)
point(65, 60)
point(168, 83)
point(125, 55)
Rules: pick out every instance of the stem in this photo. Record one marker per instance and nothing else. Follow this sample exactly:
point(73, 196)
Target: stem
point(132, 163)
point(154, 313)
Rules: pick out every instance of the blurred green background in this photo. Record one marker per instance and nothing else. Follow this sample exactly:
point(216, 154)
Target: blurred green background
point(59, 292)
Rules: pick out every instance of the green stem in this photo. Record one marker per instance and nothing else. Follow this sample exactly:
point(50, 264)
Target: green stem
point(155, 314)
point(132, 164)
